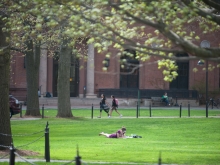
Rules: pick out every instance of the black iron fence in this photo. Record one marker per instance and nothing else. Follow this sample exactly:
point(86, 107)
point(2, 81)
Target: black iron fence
point(13, 150)
point(148, 93)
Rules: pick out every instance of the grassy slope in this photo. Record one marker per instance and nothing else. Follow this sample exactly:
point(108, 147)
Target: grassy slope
point(180, 140)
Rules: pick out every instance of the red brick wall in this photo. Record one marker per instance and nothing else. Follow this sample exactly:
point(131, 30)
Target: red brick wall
point(150, 77)
point(18, 77)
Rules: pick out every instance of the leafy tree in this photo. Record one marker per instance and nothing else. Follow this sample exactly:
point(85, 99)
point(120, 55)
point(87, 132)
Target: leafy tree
point(32, 74)
point(26, 36)
point(32, 23)
point(156, 28)
point(68, 28)
point(63, 86)
point(5, 128)
point(151, 28)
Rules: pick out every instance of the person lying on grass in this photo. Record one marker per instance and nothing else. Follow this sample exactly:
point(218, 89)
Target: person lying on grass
point(119, 134)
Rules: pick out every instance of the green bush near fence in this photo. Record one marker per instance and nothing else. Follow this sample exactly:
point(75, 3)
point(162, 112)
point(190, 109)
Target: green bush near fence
point(194, 140)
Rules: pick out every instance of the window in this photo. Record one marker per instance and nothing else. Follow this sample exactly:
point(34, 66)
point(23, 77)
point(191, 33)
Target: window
point(129, 70)
point(182, 80)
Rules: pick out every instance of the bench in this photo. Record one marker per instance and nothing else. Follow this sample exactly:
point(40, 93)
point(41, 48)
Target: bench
point(157, 101)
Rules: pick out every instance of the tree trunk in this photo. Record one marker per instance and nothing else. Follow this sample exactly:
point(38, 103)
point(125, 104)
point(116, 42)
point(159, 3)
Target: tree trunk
point(63, 86)
point(5, 127)
point(32, 75)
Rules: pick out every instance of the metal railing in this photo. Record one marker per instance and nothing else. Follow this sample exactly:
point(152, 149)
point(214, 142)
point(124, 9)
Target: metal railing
point(12, 150)
point(148, 93)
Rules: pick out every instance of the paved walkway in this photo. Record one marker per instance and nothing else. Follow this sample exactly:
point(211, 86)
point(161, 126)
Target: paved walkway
point(83, 162)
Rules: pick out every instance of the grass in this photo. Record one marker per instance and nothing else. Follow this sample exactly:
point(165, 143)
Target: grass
point(179, 140)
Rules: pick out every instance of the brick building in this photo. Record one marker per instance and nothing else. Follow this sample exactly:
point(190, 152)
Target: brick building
point(89, 80)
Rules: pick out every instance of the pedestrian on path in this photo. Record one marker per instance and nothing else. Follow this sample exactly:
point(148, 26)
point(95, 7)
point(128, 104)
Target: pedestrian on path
point(103, 105)
point(114, 106)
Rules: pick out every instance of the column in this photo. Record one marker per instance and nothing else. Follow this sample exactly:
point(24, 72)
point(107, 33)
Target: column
point(43, 71)
point(90, 73)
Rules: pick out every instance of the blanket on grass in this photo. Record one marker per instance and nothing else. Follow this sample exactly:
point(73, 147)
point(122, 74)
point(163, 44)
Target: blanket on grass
point(133, 136)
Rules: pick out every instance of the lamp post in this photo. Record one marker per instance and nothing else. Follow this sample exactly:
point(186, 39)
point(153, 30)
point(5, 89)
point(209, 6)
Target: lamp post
point(206, 82)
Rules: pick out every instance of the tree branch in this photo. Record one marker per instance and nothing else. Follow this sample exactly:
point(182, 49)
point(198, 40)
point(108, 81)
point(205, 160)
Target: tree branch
point(212, 3)
point(204, 12)
point(186, 45)
point(17, 49)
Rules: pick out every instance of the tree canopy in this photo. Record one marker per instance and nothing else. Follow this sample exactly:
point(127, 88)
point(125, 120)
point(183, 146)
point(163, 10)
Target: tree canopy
point(151, 28)
point(156, 28)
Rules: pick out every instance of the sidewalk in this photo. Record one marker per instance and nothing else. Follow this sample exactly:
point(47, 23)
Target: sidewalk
point(83, 162)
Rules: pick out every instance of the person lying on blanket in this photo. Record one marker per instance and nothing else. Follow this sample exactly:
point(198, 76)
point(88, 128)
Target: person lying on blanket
point(119, 134)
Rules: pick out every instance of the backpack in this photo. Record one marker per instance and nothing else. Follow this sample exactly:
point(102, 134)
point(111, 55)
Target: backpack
point(116, 101)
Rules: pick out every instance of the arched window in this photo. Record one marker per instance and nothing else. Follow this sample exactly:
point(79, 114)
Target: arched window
point(129, 70)
point(182, 80)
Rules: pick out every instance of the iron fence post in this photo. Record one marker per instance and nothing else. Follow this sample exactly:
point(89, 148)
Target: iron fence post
point(78, 158)
point(176, 104)
point(12, 155)
point(212, 102)
point(159, 160)
point(92, 112)
point(150, 109)
point(43, 111)
point(206, 109)
point(188, 109)
point(180, 110)
point(206, 88)
point(139, 102)
point(21, 110)
point(137, 111)
point(47, 144)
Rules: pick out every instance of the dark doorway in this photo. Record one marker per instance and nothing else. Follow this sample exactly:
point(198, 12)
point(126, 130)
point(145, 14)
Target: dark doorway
point(182, 80)
point(74, 76)
point(129, 70)
point(55, 75)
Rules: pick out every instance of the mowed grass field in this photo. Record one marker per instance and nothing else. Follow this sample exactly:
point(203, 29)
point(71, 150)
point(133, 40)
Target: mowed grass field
point(194, 140)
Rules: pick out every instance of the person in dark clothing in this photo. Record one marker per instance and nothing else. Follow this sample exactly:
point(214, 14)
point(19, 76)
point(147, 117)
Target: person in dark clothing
point(165, 99)
point(114, 107)
point(103, 105)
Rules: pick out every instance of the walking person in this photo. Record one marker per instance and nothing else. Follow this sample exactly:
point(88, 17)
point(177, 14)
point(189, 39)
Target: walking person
point(114, 106)
point(103, 105)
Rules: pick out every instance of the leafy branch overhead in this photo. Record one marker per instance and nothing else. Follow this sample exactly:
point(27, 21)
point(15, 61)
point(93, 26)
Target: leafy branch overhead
point(161, 29)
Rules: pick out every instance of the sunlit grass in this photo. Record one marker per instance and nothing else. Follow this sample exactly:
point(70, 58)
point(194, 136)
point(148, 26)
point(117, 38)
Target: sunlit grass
point(180, 140)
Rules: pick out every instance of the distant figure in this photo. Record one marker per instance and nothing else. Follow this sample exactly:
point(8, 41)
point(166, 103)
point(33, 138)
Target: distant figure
point(48, 94)
point(119, 134)
point(103, 105)
point(114, 106)
point(165, 99)
point(38, 93)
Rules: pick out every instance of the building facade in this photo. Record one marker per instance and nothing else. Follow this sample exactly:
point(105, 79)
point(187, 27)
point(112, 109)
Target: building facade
point(87, 78)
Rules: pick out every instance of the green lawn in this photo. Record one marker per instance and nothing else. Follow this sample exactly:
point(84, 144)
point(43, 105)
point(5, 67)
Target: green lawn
point(194, 140)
